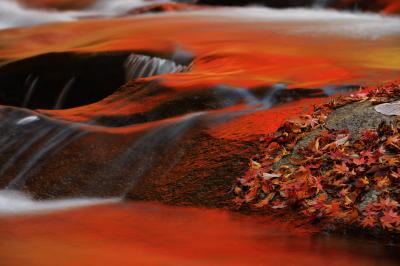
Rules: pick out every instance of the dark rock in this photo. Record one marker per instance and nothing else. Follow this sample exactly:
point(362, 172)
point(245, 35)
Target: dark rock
point(66, 80)
point(271, 3)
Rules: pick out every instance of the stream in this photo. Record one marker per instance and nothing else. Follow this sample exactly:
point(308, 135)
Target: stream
point(109, 122)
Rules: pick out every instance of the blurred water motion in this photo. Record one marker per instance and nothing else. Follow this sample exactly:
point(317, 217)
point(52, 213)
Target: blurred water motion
point(153, 234)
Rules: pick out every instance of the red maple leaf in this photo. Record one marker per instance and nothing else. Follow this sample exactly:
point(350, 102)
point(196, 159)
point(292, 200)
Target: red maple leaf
point(390, 219)
point(388, 204)
point(396, 173)
point(370, 156)
point(393, 141)
point(337, 155)
point(341, 169)
point(359, 161)
point(369, 221)
point(334, 208)
point(382, 182)
point(369, 135)
point(362, 182)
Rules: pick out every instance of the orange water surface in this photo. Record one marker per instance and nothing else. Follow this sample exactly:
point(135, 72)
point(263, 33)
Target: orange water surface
point(154, 234)
point(242, 53)
point(228, 49)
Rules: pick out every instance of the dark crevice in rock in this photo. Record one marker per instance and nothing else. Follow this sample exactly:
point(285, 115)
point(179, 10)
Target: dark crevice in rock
point(66, 80)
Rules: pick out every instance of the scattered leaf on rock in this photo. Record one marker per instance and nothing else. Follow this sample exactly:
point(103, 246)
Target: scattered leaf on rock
point(338, 177)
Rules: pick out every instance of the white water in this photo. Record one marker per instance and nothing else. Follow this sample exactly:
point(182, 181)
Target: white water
point(118, 7)
point(13, 14)
point(14, 202)
point(28, 120)
point(142, 66)
point(313, 21)
point(359, 25)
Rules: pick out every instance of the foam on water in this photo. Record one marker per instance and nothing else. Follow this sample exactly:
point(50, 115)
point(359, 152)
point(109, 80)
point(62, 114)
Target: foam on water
point(118, 7)
point(359, 25)
point(15, 202)
point(315, 21)
point(13, 14)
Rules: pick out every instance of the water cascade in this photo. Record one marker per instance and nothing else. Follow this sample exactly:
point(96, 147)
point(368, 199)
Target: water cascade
point(145, 66)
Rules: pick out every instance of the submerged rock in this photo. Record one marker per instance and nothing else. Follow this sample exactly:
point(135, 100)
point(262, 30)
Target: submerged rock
point(144, 141)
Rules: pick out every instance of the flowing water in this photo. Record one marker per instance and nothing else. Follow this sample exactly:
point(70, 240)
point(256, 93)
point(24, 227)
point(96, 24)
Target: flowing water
point(153, 234)
point(15, 14)
point(201, 86)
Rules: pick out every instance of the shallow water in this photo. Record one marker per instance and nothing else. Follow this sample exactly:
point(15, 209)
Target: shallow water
point(18, 203)
point(15, 14)
point(154, 234)
point(235, 50)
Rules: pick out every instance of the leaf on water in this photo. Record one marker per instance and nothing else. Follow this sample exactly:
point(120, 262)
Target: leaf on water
point(389, 108)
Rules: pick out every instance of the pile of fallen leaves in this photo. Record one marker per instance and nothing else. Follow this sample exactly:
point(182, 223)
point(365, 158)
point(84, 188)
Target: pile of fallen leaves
point(337, 176)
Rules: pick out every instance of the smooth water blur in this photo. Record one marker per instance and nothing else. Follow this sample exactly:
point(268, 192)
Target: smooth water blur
point(18, 203)
point(234, 49)
point(14, 14)
point(238, 47)
point(154, 234)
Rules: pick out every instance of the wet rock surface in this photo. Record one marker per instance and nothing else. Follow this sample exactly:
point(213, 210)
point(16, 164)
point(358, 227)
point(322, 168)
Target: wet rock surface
point(202, 176)
point(177, 163)
point(145, 141)
point(357, 117)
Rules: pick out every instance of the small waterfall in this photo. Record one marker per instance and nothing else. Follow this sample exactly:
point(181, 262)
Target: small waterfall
point(31, 89)
point(39, 135)
point(229, 96)
point(7, 138)
point(58, 141)
point(269, 98)
point(142, 66)
point(14, 14)
point(145, 152)
point(63, 94)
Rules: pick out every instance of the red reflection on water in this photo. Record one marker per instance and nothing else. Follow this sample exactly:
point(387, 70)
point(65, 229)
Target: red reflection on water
point(153, 234)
